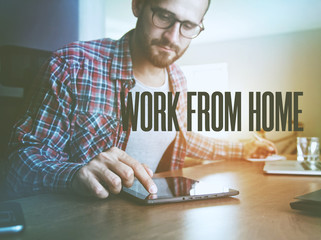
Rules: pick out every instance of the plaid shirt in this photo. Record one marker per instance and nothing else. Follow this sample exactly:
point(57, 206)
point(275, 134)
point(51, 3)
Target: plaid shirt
point(77, 115)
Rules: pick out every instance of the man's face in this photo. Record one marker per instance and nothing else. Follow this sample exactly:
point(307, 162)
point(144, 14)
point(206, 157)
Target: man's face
point(162, 47)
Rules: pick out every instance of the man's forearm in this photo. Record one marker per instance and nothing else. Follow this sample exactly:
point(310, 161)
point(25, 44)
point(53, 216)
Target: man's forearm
point(33, 169)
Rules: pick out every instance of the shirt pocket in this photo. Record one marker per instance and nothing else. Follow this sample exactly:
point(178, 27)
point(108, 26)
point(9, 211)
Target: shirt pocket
point(93, 133)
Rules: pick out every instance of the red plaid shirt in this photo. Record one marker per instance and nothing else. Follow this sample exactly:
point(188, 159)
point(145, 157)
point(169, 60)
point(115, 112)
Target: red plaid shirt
point(77, 115)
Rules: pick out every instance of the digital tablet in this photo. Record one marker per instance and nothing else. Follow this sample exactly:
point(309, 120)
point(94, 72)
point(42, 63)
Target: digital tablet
point(176, 189)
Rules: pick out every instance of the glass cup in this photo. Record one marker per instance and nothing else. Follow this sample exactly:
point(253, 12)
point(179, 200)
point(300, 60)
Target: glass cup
point(308, 149)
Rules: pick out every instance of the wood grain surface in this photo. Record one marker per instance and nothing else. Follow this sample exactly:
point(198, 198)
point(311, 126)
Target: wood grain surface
point(261, 211)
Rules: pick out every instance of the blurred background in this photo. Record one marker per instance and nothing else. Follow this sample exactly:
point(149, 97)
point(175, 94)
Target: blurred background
point(248, 45)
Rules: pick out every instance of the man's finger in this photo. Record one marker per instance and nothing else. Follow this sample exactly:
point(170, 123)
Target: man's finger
point(149, 171)
point(110, 179)
point(95, 187)
point(269, 146)
point(139, 171)
point(125, 172)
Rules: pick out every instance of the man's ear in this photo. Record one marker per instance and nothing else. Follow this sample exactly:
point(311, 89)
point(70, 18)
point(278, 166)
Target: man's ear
point(137, 7)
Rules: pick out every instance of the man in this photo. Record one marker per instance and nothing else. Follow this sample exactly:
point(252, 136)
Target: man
point(73, 138)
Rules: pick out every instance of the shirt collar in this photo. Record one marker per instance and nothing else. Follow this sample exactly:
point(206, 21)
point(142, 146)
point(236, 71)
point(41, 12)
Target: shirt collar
point(122, 66)
point(176, 78)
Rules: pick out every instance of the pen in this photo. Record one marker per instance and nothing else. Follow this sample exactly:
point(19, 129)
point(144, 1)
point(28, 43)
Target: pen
point(269, 144)
point(257, 137)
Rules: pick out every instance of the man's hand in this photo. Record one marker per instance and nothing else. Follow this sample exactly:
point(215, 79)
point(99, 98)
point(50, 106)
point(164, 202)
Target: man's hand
point(108, 171)
point(259, 148)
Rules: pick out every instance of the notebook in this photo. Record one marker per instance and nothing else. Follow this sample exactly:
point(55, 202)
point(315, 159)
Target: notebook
point(292, 167)
point(310, 202)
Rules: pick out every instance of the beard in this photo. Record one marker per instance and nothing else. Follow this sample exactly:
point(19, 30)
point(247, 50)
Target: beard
point(162, 59)
point(150, 48)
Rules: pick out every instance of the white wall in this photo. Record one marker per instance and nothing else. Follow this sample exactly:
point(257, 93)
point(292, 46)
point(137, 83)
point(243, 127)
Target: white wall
point(92, 19)
point(287, 62)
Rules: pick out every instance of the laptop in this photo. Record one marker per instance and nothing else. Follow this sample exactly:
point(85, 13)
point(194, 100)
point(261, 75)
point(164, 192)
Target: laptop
point(292, 167)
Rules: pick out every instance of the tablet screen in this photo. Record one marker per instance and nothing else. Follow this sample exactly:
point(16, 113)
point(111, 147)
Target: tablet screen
point(178, 188)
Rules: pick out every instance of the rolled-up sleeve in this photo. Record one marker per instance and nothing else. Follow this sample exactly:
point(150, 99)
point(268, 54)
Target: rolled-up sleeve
point(199, 146)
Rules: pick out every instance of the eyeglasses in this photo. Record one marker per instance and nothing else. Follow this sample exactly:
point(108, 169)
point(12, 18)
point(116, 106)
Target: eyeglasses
point(164, 20)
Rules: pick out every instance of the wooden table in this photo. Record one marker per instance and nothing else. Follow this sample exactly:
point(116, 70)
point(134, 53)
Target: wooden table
point(261, 211)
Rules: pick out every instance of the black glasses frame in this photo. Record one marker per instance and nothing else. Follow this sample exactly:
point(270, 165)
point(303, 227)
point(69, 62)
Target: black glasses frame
point(175, 20)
